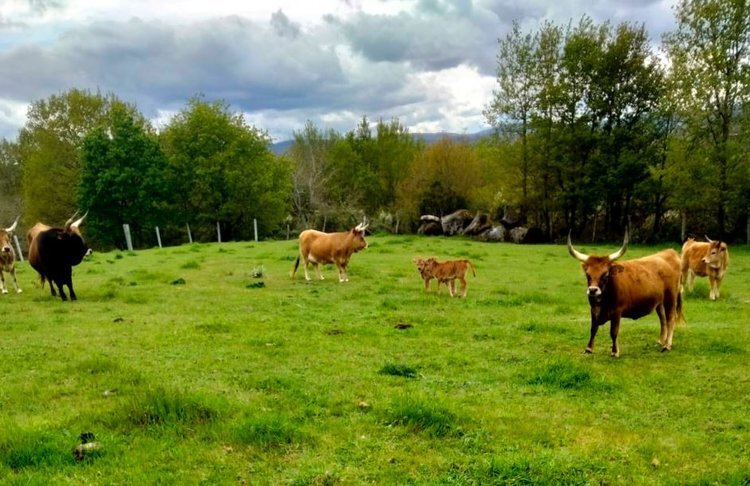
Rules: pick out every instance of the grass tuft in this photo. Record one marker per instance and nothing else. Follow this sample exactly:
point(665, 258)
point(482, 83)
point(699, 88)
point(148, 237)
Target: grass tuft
point(160, 407)
point(395, 369)
point(421, 414)
point(564, 375)
point(271, 430)
point(24, 449)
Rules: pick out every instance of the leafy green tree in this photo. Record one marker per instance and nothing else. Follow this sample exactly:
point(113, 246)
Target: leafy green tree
point(710, 58)
point(223, 171)
point(516, 98)
point(123, 180)
point(50, 144)
point(10, 182)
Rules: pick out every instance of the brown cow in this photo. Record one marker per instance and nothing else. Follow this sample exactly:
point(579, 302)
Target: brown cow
point(632, 289)
point(705, 260)
point(317, 247)
point(8, 257)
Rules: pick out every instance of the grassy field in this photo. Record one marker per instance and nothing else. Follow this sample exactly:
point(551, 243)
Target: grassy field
point(189, 370)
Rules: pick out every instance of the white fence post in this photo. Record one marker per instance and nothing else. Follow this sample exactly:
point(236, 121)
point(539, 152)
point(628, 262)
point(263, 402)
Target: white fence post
point(128, 240)
point(190, 235)
point(18, 246)
point(287, 232)
point(255, 228)
point(158, 236)
point(218, 231)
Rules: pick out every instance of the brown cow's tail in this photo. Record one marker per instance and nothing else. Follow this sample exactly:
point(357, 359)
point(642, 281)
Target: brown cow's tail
point(296, 266)
point(473, 270)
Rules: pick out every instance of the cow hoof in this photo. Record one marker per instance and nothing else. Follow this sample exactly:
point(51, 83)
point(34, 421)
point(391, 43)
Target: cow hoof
point(588, 351)
point(664, 349)
point(18, 291)
point(615, 355)
point(5, 291)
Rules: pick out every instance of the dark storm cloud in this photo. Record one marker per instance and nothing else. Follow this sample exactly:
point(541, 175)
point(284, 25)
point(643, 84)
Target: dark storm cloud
point(159, 66)
point(438, 35)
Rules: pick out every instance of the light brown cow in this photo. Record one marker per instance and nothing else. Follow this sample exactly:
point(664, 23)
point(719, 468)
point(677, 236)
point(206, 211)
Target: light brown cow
point(709, 259)
point(8, 257)
point(632, 289)
point(317, 247)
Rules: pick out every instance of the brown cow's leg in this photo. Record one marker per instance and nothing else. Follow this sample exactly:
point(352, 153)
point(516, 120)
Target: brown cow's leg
point(13, 274)
point(464, 287)
point(614, 330)
point(427, 284)
point(452, 287)
point(307, 263)
point(663, 324)
point(317, 270)
point(718, 285)
point(594, 328)
point(712, 284)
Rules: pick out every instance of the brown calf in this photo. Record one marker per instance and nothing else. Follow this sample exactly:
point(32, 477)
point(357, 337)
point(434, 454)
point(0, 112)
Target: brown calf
point(632, 289)
point(317, 247)
point(709, 259)
point(445, 272)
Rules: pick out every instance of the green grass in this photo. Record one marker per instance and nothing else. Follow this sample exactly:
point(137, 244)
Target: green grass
point(192, 366)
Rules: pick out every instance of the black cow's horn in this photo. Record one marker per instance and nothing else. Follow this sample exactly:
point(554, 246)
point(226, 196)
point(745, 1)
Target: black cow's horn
point(70, 220)
point(77, 223)
point(575, 253)
point(614, 256)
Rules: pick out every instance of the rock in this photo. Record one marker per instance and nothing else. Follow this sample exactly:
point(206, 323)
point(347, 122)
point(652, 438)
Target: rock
point(518, 234)
point(430, 228)
point(479, 225)
point(495, 234)
point(455, 222)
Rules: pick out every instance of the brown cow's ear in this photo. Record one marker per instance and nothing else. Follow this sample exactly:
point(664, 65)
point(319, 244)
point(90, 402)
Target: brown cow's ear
point(615, 269)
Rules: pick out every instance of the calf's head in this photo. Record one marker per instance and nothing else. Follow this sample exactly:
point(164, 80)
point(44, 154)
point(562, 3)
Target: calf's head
point(5, 237)
point(716, 255)
point(598, 269)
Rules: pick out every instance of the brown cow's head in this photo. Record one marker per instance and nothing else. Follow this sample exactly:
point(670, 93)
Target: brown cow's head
point(358, 237)
point(424, 265)
point(5, 237)
point(716, 255)
point(598, 269)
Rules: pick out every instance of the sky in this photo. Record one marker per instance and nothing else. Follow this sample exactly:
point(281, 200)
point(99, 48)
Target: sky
point(431, 64)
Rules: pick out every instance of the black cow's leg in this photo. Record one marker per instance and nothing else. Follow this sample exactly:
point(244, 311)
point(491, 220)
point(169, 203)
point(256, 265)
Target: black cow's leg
point(61, 289)
point(614, 330)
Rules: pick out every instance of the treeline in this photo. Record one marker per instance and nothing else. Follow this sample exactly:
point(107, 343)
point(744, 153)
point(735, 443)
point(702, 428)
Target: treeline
point(594, 129)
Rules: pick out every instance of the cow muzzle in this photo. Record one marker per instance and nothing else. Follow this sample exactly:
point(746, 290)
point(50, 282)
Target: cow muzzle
point(594, 292)
point(6, 249)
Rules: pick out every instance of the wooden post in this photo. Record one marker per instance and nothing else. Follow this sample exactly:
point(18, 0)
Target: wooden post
point(684, 226)
point(190, 235)
point(287, 231)
point(128, 240)
point(255, 229)
point(158, 236)
point(218, 231)
point(20, 253)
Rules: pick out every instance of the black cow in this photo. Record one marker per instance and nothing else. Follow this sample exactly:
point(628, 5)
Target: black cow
point(54, 252)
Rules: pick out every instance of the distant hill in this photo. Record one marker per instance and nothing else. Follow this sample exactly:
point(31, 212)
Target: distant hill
point(280, 147)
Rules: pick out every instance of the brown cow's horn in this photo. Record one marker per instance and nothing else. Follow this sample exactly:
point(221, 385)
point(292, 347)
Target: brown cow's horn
point(708, 239)
point(614, 256)
point(13, 226)
point(77, 223)
point(575, 253)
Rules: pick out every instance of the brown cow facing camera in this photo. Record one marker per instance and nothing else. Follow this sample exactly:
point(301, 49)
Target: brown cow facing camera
point(632, 289)
point(8, 257)
point(445, 272)
point(709, 259)
point(317, 247)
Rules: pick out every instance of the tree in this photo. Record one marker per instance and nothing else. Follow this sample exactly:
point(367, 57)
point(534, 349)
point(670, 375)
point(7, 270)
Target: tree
point(123, 180)
point(516, 97)
point(50, 144)
point(10, 182)
point(223, 171)
point(710, 59)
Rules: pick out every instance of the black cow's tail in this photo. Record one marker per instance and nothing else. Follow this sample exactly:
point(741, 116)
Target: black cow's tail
point(296, 265)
